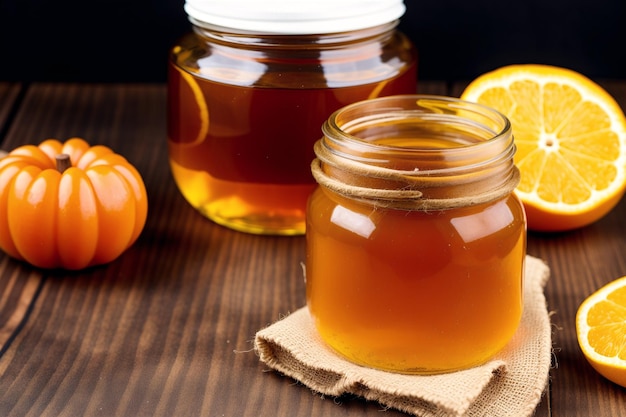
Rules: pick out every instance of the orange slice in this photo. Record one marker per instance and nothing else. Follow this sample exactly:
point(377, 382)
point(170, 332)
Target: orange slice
point(571, 142)
point(601, 330)
point(192, 102)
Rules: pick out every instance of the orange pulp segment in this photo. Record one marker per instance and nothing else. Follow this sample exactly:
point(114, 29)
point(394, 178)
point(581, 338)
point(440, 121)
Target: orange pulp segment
point(571, 142)
point(601, 330)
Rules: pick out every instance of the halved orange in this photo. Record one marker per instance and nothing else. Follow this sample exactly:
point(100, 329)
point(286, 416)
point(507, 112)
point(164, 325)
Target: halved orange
point(571, 142)
point(601, 330)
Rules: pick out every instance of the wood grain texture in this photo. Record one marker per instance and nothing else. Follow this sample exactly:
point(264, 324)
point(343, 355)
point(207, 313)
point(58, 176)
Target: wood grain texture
point(18, 285)
point(8, 101)
point(167, 329)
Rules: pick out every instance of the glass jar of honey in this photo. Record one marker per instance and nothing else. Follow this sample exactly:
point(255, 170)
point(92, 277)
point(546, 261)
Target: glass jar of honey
point(250, 87)
point(415, 238)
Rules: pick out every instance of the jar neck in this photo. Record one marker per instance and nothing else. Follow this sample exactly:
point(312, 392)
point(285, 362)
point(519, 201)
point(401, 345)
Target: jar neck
point(417, 152)
point(326, 41)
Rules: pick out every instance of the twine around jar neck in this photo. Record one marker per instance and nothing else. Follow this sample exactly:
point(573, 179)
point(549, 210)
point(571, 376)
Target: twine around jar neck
point(417, 152)
point(410, 195)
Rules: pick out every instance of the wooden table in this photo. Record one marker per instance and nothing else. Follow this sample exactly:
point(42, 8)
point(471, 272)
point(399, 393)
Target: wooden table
point(167, 329)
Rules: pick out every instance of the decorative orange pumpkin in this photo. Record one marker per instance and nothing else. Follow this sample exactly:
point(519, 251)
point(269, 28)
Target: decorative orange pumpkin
point(69, 205)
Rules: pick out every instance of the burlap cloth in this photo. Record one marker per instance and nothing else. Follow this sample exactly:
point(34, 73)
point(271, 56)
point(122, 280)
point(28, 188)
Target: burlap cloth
point(511, 384)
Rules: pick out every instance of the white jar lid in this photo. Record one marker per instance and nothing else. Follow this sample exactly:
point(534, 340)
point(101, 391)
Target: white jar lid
point(294, 16)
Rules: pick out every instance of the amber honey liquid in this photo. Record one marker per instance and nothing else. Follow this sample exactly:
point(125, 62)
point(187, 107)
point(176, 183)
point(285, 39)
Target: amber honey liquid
point(415, 291)
point(251, 170)
point(411, 291)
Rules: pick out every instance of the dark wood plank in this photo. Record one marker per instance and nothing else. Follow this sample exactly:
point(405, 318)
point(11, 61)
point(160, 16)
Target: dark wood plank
point(8, 97)
point(581, 261)
point(18, 285)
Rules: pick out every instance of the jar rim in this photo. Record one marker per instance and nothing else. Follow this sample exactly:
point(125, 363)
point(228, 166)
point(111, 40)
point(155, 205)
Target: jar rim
point(391, 109)
point(292, 17)
point(457, 152)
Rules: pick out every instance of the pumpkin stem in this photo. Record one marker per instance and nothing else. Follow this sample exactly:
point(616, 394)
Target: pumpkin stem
point(63, 162)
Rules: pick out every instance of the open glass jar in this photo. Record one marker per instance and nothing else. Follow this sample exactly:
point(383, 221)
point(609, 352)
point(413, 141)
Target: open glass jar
point(415, 238)
point(250, 87)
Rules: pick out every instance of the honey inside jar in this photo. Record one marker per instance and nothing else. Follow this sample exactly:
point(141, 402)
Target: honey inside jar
point(244, 111)
point(406, 288)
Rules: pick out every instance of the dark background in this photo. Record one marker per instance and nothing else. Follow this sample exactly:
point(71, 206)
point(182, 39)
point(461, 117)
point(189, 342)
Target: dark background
point(128, 40)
